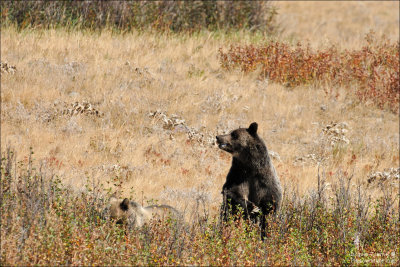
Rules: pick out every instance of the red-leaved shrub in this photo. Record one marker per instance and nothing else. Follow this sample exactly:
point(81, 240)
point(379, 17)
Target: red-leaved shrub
point(372, 71)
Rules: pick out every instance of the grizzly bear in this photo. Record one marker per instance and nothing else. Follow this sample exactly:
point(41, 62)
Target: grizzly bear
point(252, 184)
point(135, 215)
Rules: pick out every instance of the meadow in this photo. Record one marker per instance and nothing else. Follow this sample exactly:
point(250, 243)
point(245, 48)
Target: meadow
point(86, 114)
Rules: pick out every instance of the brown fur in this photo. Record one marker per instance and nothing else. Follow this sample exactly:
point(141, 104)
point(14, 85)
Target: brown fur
point(252, 183)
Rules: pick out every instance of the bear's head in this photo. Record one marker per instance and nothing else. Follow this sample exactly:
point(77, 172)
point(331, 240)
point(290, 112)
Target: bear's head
point(243, 143)
point(123, 211)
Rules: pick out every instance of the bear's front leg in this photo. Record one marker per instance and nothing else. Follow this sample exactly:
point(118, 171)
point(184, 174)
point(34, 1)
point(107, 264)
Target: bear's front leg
point(236, 202)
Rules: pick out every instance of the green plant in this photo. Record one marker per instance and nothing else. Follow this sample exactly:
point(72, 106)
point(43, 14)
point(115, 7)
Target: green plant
point(122, 16)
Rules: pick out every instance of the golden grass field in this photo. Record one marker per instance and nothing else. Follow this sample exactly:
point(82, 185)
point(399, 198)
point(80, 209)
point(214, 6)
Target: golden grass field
point(342, 22)
point(126, 77)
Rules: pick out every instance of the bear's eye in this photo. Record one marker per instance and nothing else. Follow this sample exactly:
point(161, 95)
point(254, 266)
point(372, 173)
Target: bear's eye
point(234, 135)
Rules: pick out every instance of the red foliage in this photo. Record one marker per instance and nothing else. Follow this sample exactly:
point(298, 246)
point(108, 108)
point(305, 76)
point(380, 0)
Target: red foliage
point(373, 71)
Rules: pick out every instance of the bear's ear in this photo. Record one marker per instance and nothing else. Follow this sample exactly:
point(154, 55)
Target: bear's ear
point(113, 198)
point(253, 128)
point(124, 204)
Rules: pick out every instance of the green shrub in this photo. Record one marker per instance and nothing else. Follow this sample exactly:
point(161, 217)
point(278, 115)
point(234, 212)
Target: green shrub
point(176, 16)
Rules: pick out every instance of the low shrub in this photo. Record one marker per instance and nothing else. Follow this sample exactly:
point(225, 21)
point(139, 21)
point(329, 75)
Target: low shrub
point(372, 72)
point(45, 223)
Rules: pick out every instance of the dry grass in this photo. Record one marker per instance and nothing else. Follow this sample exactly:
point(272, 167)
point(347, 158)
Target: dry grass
point(159, 157)
point(344, 23)
point(46, 223)
point(127, 77)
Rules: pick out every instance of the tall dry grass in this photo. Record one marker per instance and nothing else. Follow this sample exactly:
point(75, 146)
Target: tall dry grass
point(47, 223)
point(136, 146)
point(127, 77)
point(124, 16)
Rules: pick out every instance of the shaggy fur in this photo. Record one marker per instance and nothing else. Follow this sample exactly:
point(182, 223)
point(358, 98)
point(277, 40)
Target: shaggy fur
point(252, 183)
point(135, 215)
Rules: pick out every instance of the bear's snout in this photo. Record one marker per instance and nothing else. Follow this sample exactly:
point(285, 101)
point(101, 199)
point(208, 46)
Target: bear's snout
point(223, 143)
point(220, 141)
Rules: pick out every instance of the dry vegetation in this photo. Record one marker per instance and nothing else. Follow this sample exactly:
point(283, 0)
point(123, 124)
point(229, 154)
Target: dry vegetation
point(343, 23)
point(371, 73)
point(138, 113)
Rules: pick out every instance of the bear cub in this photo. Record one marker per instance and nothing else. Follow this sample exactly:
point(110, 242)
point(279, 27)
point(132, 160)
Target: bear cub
point(135, 215)
point(252, 183)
